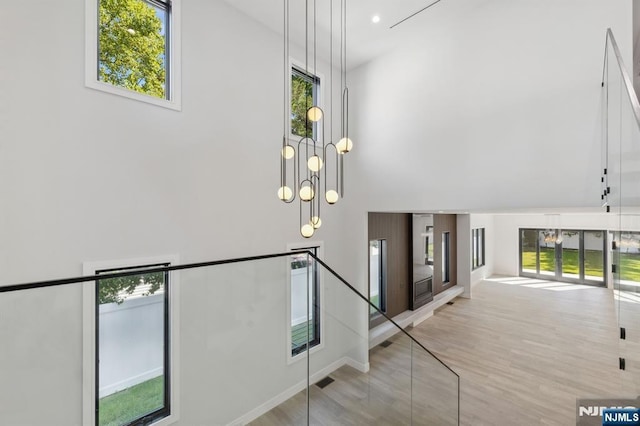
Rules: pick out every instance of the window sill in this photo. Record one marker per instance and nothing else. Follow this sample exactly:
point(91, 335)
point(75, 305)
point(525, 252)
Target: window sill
point(126, 93)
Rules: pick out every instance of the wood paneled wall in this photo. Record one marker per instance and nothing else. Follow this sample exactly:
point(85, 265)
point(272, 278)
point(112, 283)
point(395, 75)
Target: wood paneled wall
point(396, 228)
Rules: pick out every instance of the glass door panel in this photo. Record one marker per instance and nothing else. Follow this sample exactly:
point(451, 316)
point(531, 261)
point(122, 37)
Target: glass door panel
point(629, 261)
point(594, 256)
point(529, 254)
point(547, 241)
point(570, 246)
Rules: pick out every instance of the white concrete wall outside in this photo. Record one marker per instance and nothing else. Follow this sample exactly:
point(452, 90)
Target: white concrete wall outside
point(298, 294)
point(131, 342)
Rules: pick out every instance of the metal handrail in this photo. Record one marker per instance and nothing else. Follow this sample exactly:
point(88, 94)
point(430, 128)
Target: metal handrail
point(106, 276)
point(628, 83)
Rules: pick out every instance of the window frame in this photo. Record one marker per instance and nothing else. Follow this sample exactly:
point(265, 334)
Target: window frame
point(90, 344)
point(173, 98)
point(319, 297)
point(299, 67)
point(558, 274)
point(382, 277)
point(429, 230)
point(478, 246)
point(446, 257)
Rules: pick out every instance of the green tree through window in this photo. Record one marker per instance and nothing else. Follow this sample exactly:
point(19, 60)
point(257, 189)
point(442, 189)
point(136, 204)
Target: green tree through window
point(303, 97)
point(132, 45)
point(115, 290)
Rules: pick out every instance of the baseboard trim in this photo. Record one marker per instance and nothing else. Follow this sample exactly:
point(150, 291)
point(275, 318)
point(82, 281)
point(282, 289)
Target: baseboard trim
point(386, 330)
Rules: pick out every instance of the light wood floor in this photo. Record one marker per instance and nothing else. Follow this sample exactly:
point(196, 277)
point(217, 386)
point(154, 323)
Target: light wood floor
point(525, 351)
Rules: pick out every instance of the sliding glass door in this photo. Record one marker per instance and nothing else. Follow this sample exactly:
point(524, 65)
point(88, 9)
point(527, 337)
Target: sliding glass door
point(547, 249)
point(576, 256)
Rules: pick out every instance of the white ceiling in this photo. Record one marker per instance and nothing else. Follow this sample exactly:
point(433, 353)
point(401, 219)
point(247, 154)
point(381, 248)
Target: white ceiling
point(365, 39)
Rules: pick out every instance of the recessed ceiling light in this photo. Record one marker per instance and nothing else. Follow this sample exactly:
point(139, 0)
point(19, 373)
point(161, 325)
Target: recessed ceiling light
point(375, 19)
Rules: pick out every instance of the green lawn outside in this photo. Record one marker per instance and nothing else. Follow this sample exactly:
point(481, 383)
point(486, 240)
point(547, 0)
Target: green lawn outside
point(124, 406)
point(629, 266)
point(375, 300)
point(629, 269)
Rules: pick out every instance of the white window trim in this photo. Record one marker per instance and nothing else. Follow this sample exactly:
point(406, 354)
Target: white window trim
point(174, 64)
point(89, 327)
point(302, 355)
point(293, 63)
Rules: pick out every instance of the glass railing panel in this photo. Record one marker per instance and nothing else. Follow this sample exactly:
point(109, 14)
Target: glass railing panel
point(622, 131)
point(275, 340)
point(236, 339)
point(41, 356)
point(369, 387)
point(395, 382)
point(434, 390)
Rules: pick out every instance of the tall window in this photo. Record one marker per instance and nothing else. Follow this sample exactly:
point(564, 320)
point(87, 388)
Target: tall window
point(477, 248)
point(132, 347)
point(446, 260)
point(304, 94)
point(378, 275)
point(305, 301)
point(133, 49)
point(428, 245)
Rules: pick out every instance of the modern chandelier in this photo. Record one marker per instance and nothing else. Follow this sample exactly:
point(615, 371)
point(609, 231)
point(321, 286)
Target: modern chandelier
point(312, 165)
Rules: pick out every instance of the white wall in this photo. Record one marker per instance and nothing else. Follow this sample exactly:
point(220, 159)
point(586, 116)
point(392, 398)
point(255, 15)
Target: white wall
point(485, 221)
point(86, 175)
point(468, 277)
point(463, 224)
point(496, 108)
point(90, 176)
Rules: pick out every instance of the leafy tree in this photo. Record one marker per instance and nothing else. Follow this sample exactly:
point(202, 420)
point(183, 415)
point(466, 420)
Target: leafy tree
point(114, 290)
point(132, 46)
point(301, 101)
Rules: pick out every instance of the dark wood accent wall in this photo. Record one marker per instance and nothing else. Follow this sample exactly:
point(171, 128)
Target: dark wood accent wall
point(396, 229)
point(444, 223)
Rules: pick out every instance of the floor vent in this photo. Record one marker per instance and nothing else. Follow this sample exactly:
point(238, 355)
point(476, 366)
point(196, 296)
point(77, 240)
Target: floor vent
point(386, 343)
point(449, 303)
point(324, 382)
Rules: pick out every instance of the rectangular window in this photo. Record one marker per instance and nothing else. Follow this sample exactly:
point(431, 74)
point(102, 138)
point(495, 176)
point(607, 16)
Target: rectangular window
point(428, 245)
point(132, 49)
point(477, 248)
point(305, 301)
point(130, 343)
point(446, 277)
point(377, 275)
point(305, 89)
point(132, 347)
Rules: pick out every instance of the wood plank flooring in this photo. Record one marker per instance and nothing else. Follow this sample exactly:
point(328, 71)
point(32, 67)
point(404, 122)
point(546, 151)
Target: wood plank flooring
point(525, 351)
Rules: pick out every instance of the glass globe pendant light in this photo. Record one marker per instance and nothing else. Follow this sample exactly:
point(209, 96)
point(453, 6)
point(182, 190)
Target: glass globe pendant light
point(310, 165)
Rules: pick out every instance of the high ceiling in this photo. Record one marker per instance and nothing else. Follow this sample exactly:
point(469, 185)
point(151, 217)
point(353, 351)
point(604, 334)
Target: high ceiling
point(365, 39)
